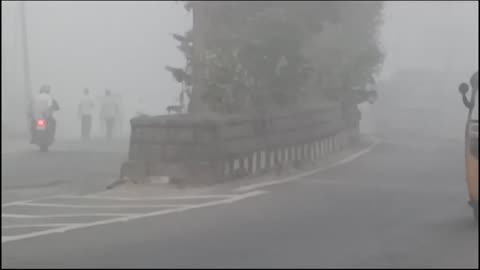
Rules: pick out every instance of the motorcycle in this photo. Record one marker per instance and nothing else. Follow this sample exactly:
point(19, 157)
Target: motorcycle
point(43, 134)
point(44, 129)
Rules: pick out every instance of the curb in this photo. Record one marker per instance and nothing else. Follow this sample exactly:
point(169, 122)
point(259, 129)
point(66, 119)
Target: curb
point(280, 174)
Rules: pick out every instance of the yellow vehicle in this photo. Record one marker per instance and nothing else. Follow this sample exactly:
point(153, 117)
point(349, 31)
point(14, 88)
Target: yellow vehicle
point(471, 140)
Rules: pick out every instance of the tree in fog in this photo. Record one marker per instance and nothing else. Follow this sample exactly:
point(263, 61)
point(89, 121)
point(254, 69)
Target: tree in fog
point(264, 56)
point(347, 54)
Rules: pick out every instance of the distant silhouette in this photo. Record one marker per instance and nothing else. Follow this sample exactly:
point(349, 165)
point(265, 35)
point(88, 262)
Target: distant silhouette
point(109, 112)
point(85, 112)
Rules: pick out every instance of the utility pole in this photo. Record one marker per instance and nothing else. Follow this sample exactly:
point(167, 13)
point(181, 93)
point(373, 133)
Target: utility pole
point(26, 63)
point(4, 74)
point(448, 68)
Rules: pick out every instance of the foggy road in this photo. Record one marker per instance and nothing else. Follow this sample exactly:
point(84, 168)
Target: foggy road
point(254, 80)
point(69, 166)
point(400, 205)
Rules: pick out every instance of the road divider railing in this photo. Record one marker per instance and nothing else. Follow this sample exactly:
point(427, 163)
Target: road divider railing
point(199, 150)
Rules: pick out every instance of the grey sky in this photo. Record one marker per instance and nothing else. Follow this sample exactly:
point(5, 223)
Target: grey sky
point(123, 46)
point(427, 34)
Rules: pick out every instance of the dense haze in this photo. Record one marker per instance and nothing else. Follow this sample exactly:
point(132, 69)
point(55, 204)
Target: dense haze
point(394, 186)
point(429, 34)
point(436, 41)
point(124, 46)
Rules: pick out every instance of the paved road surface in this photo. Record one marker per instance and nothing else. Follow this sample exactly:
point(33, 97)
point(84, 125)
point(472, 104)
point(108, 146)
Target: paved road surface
point(400, 205)
point(68, 167)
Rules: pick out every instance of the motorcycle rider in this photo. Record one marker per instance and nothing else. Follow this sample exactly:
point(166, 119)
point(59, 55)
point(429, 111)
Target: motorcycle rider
point(43, 107)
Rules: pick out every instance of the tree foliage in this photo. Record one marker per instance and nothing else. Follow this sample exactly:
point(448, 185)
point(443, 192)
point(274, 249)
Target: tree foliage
point(268, 55)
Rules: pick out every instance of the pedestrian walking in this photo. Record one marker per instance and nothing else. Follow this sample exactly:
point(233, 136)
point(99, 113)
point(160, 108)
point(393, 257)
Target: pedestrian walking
point(109, 113)
point(85, 112)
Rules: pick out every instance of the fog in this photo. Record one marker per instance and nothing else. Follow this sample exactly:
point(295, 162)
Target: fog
point(429, 34)
point(436, 41)
point(399, 195)
point(124, 46)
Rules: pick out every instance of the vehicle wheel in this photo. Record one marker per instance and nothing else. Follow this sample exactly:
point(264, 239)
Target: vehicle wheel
point(43, 148)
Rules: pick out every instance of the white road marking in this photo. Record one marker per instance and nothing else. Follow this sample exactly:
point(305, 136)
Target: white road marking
point(236, 198)
point(106, 205)
point(192, 197)
point(38, 225)
point(31, 200)
point(16, 216)
point(308, 173)
point(15, 203)
point(69, 215)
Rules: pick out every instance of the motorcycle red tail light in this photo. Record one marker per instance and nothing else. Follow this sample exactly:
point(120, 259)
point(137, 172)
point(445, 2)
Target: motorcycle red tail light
point(40, 123)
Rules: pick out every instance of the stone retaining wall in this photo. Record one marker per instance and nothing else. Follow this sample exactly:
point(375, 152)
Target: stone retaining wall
point(210, 149)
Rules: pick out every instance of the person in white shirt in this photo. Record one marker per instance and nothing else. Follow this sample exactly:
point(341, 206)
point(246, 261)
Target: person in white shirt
point(109, 112)
point(85, 113)
point(42, 103)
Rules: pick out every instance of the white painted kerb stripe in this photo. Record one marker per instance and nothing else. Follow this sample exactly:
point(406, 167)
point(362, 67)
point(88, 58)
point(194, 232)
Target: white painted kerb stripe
point(308, 173)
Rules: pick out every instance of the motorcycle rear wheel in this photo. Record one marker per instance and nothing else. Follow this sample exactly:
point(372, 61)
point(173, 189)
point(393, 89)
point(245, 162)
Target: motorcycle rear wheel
point(43, 148)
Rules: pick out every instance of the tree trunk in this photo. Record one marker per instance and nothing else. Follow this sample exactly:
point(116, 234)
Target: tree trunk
point(199, 12)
